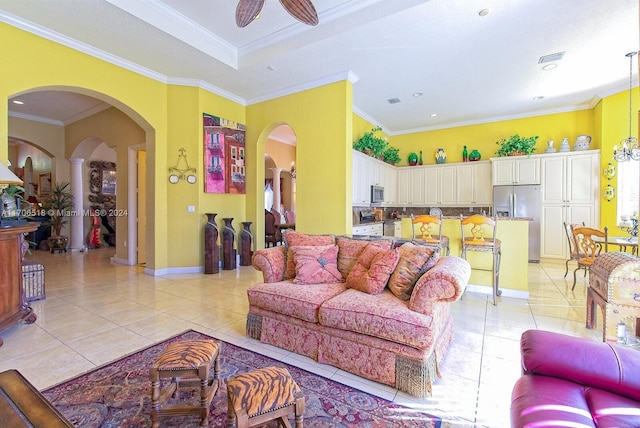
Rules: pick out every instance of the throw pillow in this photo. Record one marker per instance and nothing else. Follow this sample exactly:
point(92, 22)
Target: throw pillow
point(295, 239)
point(372, 270)
point(350, 249)
point(414, 261)
point(316, 264)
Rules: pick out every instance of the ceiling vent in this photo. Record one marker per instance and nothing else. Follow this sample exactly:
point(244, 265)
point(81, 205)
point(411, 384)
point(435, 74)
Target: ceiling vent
point(393, 100)
point(551, 57)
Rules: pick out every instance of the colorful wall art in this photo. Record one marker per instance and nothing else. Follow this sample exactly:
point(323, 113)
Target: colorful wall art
point(224, 151)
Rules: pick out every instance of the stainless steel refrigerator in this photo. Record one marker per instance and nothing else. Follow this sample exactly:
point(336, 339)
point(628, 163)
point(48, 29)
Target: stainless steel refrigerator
point(521, 201)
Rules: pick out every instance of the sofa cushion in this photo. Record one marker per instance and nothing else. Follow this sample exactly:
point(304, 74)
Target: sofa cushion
point(316, 265)
point(384, 316)
point(300, 301)
point(373, 268)
point(350, 249)
point(294, 239)
point(414, 261)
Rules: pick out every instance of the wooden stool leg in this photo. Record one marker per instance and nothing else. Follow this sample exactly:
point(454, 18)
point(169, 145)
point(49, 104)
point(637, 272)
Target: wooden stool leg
point(299, 409)
point(155, 403)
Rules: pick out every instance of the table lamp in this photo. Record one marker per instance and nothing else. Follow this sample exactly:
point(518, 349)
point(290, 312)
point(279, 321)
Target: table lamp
point(7, 178)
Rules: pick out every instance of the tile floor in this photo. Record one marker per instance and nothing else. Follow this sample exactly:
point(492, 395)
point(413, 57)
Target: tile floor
point(96, 312)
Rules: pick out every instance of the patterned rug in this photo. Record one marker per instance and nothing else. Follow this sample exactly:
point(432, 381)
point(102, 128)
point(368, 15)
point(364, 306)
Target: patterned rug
point(118, 395)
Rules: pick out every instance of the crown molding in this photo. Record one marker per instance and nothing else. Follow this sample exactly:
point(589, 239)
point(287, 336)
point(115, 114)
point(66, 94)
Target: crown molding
point(35, 118)
point(179, 81)
point(311, 84)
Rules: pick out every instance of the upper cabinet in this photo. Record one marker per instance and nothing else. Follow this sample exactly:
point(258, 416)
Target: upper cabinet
point(516, 170)
point(368, 172)
point(411, 186)
point(474, 184)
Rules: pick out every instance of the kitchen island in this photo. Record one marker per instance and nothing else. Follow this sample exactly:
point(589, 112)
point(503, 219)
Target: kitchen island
point(514, 234)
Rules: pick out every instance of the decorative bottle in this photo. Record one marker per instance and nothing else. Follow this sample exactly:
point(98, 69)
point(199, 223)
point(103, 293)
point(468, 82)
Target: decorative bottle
point(465, 156)
point(211, 249)
point(246, 239)
point(420, 159)
point(228, 252)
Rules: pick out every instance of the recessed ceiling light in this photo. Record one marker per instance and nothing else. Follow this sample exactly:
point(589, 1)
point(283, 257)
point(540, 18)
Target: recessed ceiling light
point(539, 97)
point(549, 66)
point(484, 12)
point(417, 94)
point(434, 114)
point(17, 102)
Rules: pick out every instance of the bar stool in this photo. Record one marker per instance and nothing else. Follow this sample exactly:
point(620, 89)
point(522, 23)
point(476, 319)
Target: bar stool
point(263, 395)
point(191, 360)
point(430, 225)
point(483, 232)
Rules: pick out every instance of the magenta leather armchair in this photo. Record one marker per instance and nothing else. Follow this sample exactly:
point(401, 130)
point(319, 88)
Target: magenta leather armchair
point(574, 382)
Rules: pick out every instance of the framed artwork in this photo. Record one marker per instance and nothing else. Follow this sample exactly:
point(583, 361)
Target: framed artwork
point(224, 155)
point(108, 182)
point(44, 184)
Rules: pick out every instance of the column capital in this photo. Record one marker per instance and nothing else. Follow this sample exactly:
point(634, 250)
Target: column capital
point(76, 161)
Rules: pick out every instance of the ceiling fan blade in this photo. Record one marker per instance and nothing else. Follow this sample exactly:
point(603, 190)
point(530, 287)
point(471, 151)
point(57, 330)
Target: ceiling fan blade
point(302, 10)
point(247, 11)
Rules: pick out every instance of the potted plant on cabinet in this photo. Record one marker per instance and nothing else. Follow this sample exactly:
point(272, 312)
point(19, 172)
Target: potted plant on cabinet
point(58, 205)
point(377, 147)
point(517, 146)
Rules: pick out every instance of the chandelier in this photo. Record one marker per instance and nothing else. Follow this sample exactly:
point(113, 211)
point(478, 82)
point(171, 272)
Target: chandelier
point(629, 149)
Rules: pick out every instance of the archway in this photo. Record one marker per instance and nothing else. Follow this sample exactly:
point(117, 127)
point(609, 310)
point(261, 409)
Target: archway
point(82, 149)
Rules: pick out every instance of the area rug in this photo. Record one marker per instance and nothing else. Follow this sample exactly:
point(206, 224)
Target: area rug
point(118, 395)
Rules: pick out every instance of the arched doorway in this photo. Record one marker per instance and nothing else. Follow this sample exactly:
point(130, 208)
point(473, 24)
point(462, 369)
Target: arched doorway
point(65, 109)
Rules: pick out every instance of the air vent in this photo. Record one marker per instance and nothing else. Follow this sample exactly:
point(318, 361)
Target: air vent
point(551, 57)
point(393, 100)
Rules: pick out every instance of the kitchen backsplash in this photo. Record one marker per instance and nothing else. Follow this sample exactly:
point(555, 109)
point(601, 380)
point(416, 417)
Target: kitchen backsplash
point(388, 212)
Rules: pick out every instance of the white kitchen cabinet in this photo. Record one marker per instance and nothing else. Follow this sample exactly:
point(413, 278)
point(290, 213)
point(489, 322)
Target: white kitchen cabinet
point(361, 179)
point(515, 170)
point(473, 186)
point(390, 185)
point(570, 193)
point(411, 186)
point(439, 185)
point(376, 229)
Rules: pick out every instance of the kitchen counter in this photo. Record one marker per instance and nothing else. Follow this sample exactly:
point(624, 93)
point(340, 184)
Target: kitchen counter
point(514, 235)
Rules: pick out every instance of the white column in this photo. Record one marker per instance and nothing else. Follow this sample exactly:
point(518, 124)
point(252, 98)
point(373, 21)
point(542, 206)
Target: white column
point(276, 189)
point(77, 220)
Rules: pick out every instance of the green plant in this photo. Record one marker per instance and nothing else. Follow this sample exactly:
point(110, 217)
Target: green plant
point(58, 205)
point(371, 144)
point(391, 155)
point(377, 147)
point(517, 145)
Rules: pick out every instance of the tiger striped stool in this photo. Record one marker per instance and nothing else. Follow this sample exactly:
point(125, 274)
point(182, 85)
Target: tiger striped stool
point(191, 359)
point(264, 395)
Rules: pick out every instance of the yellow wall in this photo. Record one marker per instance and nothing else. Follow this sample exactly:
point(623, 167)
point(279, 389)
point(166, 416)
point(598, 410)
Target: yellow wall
point(483, 137)
point(321, 119)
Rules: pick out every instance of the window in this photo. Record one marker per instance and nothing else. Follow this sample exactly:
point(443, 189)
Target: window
point(628, 189)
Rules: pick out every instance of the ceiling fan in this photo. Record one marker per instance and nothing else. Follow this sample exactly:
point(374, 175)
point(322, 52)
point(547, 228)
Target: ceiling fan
point(302, 10)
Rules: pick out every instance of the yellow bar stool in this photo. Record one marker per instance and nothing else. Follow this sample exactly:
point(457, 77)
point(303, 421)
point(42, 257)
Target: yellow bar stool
point(430, 231)
point(479, 234)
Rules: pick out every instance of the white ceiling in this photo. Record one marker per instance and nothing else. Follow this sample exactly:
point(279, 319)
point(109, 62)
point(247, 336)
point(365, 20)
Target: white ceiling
point(469, 68)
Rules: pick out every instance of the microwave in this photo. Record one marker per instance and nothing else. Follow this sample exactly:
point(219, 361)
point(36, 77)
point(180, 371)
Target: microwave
point(377, 194)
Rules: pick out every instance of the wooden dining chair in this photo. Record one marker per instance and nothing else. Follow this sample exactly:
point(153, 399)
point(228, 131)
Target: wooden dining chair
point(272, 234)
point(574, 252)
point(590, 242)
point(430, 231)
point(290, 216)
point(479, 234)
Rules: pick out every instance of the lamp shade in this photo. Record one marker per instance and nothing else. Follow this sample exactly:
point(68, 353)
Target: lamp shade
point(7, 177)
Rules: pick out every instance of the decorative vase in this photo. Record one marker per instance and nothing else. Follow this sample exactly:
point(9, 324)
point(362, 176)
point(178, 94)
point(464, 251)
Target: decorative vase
point(420, 160)
point(413, 159)
point(582, 142)
point(550, 148)
point(465, 156)
point(441, 156)
point(246, 239)
point(474, 156)
point(564, 147)
point(211, 248)
point(228, 252)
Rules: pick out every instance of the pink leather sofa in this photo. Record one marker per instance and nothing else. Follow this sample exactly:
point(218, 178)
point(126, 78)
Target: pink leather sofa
point(574, 382)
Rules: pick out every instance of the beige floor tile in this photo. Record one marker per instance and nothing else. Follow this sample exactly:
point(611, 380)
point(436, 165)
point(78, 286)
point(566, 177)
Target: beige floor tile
point(96, 312)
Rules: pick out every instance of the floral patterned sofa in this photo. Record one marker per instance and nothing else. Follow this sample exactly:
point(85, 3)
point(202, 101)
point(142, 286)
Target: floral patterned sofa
point(375, 308)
